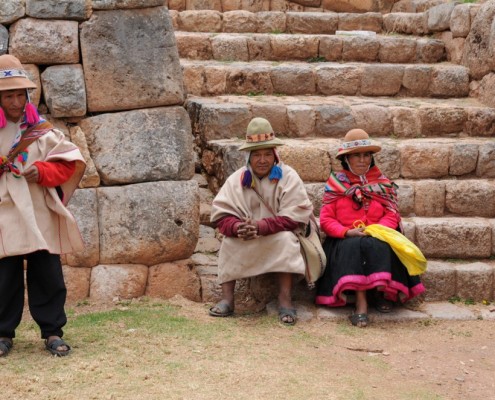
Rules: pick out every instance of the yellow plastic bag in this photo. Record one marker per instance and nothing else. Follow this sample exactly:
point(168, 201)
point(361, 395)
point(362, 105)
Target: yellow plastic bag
point(407, 251)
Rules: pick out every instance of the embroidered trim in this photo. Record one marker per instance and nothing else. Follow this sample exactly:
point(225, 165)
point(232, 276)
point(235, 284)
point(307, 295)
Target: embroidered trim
point(12, 73)
point(355, 143)
point(261, 137)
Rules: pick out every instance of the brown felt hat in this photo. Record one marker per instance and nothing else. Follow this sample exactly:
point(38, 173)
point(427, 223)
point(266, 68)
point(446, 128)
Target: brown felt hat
point(260, 135)
point(357, 141)
point(12, 75)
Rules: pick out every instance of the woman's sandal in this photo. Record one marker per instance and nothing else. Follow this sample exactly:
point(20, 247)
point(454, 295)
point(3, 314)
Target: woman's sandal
point(221, 309)
point(359, 320)
point(53, 346)
point(384, 306)
point(287, 316)
point(5, 347)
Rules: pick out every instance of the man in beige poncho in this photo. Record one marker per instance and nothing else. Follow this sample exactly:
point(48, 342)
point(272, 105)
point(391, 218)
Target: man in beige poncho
point(39, 171)
point(257, 209)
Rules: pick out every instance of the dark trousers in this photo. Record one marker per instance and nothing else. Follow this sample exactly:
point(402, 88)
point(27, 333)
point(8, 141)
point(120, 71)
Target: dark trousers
point(46, 293)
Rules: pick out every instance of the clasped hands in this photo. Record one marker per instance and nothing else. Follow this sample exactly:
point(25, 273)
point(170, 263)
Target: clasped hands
point(355, 232)
point(248, 229)
point(32, 174)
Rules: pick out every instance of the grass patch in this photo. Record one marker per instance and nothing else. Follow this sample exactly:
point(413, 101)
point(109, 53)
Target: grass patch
point(316, 59)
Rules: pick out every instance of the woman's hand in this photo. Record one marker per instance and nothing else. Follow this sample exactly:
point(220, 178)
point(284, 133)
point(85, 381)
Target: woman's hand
point(248, 230)
point(32, 174)
point(356, 232)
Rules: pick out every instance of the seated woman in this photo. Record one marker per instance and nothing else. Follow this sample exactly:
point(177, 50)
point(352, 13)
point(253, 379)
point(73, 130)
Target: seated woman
point(257, 209)
point(356, 262)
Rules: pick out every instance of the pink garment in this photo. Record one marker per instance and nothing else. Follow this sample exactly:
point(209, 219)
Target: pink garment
point(266, 226)
point(339, 216)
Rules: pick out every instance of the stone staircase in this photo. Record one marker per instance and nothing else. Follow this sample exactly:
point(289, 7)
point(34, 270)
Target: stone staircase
point(316, 69)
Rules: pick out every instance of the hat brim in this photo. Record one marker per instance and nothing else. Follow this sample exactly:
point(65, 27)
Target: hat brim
point(16, 83)
point(261, 145)
point(374, 148)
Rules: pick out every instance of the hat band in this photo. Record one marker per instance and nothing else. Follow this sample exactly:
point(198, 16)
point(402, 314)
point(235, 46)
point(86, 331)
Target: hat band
point(354, 144)
point(12, 73)
point(260, 137)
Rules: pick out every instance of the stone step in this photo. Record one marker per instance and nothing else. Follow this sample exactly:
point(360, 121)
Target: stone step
point(226, 117)
point(213, 78)
point(353, 6)
point(231, 47)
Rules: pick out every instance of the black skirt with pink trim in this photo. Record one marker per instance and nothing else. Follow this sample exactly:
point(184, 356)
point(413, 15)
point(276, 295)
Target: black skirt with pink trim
point(363, 263)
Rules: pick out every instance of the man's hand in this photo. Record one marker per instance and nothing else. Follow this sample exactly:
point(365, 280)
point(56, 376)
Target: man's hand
point(31, 174)
point(248, 230)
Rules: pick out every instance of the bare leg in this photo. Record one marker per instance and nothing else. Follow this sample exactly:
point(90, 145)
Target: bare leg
point(361, 302)
point(285, 298)
point(225, 307)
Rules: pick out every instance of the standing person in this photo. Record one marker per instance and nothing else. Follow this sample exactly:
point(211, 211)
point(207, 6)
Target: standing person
point(257, 209)
point(356, 262)
point(39, 171)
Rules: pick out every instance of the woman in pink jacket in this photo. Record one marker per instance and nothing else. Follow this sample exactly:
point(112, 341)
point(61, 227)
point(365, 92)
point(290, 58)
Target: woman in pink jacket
point(358, 264)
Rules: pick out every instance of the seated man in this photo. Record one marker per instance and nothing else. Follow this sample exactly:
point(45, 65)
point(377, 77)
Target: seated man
point(257, 209)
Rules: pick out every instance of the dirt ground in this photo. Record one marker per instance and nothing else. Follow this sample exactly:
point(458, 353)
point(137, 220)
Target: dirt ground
point(194, 356)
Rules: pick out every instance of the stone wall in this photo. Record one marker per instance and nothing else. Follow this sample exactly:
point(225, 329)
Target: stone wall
point(109, 77)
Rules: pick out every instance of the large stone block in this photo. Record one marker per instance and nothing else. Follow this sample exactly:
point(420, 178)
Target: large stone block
point(331, 48)
point(338, 79)
point(301, 120)
point(440, 280)
point(4, 40)
point(315, 193)
point(421, 160)
point(45, 42)
point(83, 205)
point(374, 119)
point(77, 283)
point(471, 198)
point(175, 278)
point(381, 80)
point(360, 48)
point(194, 46)
point(275, 113)
point(311, 22)
point(141, 145)
point(246, 79)
point(487, 90)
point(370, 21)
point(429, 200)
point(492, 223)
point(11, 11)
point(64, 90)
point(334, 120)
point(194, 79)
point(400, 50)
point(230, 48)
point(123, 4)
point(148, 223)
point(475, 281)
point(240, 21)
point(439, 17)
point(259, 47)
point(33, 73)
point(436, 121)
point(407, 123)
point(293, 80)
point(454, 237)
point(59, 9)
point(430, 51)
point(290, 47)
point(452, 81)
point(411, 23)
point(302, 159)
point(90, 177)
point(200, 21)
point(125, 281)
point(463, 158)
point(460, 20)
point(271, 22)
point(405, 194)
point(358, 6)
point(122, 73)
point(389, 160)
point(416, 80)
point(486, 160)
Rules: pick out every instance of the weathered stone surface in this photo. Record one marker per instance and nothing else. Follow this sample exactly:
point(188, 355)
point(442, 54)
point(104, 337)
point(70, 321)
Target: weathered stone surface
point(486, 161)
point(301, 120)
point(120, 79)
point(59, 9)
point(331, 48)
point(124, 281)
point(460, 20)
point(275, 113)
point(64, 90)
point(452, 81)
point(360, 48)
point(430, 51)
point(230, 48)
point(151, 145)
point(454, 237)
point(4, 40)
point(315, 193)
point(309, 23)
point(421, 160)
point(194, 79)
point(439, 17)
point(216, 79)
point(375, 120)
point(487, 90)
point(389, 160)
point(302, 158)
point(194, 46)
point(411, 23)
point(11, 11)
point(370, 21)
point(200, 21)
point(407, 123)
point(409, 229)
point(338, 79)
point(405, 194)
point(169, 279)
point(288, 47)
point(33, 73)
point(471, 198)
point(83, 205)
point(436, 121)
point(271, 22)
point(492, 223)
point(478, 49)
point(293, 80)
point(45, 42)
point(333, 121)
point(240, 21)
point(448, 311)
point(429, 200)
point(122, 4)
point(440, 280)
point(91, 177)
point(475, 281)
point(399, 50)
point(463, 158)
point(381, 80)
point(357, 6)
point(171, 212)
point(77, 283)
point(259, 47)
point(247, 79)
point(416, 80)
point(248, 5)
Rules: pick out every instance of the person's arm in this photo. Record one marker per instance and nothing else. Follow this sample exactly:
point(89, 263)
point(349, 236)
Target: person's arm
point(329, 223)
point(390, 219)
point(54, 173)
point(228, 225)
point(269, 226)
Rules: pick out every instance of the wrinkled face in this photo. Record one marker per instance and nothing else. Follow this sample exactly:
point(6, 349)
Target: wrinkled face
point(262, 162)
point(359, 162)
point(13, 103)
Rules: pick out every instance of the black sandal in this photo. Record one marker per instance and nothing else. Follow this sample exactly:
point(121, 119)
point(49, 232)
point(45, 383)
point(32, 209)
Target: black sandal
point(383, 305)
point(5, 347)
point(287, 316)
point(54, 344)
point(359, 320)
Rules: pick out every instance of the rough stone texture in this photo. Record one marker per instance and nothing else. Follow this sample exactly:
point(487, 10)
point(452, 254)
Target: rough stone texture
point(315, 193)
point(429, 198)
point(411, 23)
point(480, 122)
point(61, 9)
point(141, 145)
point(119, 79)
point(286, 47)
point(400, 50)
point(333, 121)
point(240, 21)
point(4, 40)
point(83, 205)
point(121, 4)
point(331, 48)
point(416, 80)
point(463, 158)
point(460, 20)
point(11, 11)
point(45, 42)
point(369, 21)
point(486, 161)
point(436, 121)
point(430, 51)
point(475, 281)
point(301, 158)
point(421, 160)
point(271, 22)
point(194, 79)
point(406, 197)
point(169, 279)
point(439, 17)
point(259, 47)
point(471, 198)
point(358, 6)
point(215, 80)
point(309, 22)
point(171, 212)
point(360, 49)
point(375, 120)
point(230, 48)
point(77, 283)
point(381, 80)
point(492, 223)
point(33, 73)
point(91, 177)
point(487, 90)
point(407, 123)
point(293, 80)
point(440, 280)
point(301, 120)
point(450, 82)
point(338, 79)
point(125, 281)
point(275, 113)
point(194, 46)
point(448, 311)
point(64, 90)
point(200, 21)
point(454, 237)
point(478, 49)
point(247, 79)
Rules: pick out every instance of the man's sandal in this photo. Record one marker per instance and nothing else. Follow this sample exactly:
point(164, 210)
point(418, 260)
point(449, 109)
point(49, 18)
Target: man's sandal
point(359, 320)
point(52, 347)
point(5, 347)
point(287, 316)
point(221, 309)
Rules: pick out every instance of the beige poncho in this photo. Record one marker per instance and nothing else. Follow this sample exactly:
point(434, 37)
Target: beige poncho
point(33, 217)
point(279, 252)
